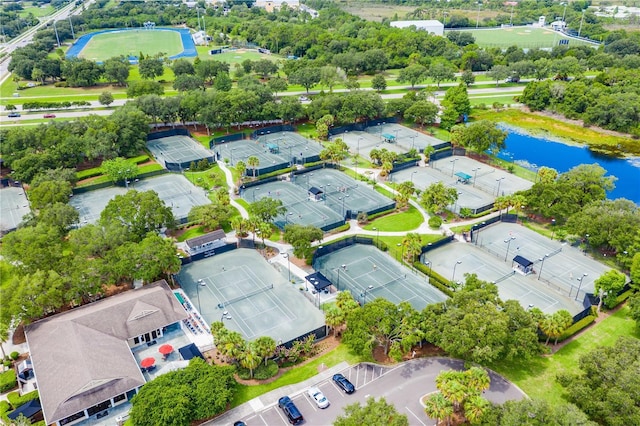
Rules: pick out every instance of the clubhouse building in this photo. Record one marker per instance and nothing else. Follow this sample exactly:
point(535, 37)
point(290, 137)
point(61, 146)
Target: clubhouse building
point(85, 360)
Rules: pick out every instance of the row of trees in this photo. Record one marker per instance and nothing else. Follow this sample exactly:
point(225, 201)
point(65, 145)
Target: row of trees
point(29, 151)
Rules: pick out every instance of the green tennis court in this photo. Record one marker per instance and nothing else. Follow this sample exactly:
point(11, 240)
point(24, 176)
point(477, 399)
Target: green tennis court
point(256, 297)
point(130, 43)
point(364, 268)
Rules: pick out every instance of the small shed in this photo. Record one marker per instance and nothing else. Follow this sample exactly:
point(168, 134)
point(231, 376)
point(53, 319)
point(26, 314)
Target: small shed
point(32, 410)
point(463, 177)
point(523, 264)
point(190, 351)
point(315, 194)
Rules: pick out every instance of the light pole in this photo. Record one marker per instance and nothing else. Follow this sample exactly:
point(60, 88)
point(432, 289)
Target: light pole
point(478, 232)
point(565, 11)
point(254, 193)
point(342, 267)
point(475, 175)
point(508, 242)
point(358, 153)
point(553, 227)
point(478, 17)
point(499, 180)
point(225, 316)
point(453, 164)
point(453, 277)
point(343, 198)
point(377, 236)
point(413, 140)
point(542, 264)
point(511, 18)
point(200, 283)
point(455, 204)
point(580, 284)
point(413, 173)
point(586, 243)
point(364, 295)
point(581, 21)
point(286, 256)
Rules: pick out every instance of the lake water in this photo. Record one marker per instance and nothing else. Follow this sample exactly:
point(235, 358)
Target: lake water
point(532, 152)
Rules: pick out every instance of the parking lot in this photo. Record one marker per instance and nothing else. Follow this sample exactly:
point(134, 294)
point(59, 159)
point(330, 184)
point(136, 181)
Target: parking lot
point(360, 375)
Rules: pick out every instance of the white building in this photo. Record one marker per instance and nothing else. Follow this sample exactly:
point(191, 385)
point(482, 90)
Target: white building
point(271, 5)
point(431, 26)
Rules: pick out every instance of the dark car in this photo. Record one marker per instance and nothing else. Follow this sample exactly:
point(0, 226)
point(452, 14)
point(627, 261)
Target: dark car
point(239, 423)
point(13, 114)
point(343, 383)
point(49, 116)
point(290, 410)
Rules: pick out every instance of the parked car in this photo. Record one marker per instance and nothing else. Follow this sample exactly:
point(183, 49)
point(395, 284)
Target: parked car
point(239, 423)
point(290, 410)
point(319, 398)
point(303, 98)
point(13, 114)
point(513, 79)
point(49, 116)
point(343, 383)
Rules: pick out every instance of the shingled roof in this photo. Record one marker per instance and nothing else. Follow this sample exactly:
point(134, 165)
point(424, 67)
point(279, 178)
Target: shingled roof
point(82, 358)
point(218, 234)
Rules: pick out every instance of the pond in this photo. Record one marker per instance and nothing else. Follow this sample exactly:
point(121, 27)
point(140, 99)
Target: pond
point(532, 152)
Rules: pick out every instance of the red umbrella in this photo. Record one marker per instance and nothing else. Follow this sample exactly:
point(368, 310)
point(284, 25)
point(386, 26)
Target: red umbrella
point(147, 362)
point(165, 349)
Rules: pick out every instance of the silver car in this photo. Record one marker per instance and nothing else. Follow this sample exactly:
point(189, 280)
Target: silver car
point(319, 398)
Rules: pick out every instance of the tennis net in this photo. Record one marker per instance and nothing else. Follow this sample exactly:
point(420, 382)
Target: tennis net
point(245, 296)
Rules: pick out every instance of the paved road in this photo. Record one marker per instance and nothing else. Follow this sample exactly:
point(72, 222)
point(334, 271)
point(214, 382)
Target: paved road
point(403, 385)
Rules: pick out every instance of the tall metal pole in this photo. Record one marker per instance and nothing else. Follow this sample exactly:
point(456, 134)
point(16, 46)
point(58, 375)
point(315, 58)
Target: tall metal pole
point(508, 241)
point(453, 277)
point(580, 284)
point(55, 28)
point(581, 21)
point(542, 264)
point(71, 25)
point(478, 17)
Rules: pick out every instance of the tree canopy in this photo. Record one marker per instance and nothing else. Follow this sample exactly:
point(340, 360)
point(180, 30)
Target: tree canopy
point(374, 412)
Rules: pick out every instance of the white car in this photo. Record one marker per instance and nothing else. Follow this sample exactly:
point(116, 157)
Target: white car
point(319, 398)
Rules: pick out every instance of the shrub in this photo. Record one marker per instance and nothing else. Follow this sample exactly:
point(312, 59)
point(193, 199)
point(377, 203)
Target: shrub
point(435, 222)
point(14, 355)
point(266, 371)
point(8, 380)
point(435, 279)
point(61, 84)
point(576, 327)
point(621, 298)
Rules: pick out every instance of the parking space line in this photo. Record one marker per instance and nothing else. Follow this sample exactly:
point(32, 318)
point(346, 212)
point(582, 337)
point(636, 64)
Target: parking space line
point(263, 420)
point(308, 399)
point(417, 418)
point(281, 417)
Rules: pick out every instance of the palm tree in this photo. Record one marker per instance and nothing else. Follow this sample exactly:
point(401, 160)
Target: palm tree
point(233, 345)
point(241, 167)
point(265, 347)
point(551, 327)
point(334, 317)
point(437, 407)
point(264, 229)
point(412, 245)
point(477, 379)
point(253, 162)
point(250, 359)
point(239, 224)
point(503, 202)
point(564, 321)
point(428, 150)
point(475, 407)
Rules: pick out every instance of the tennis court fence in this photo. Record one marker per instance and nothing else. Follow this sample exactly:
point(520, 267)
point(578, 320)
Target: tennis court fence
point(340, 244)
point(245, 296)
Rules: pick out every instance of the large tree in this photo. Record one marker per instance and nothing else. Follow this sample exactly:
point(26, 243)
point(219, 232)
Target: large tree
point(606, 386)
point(422, 112)
point(413, 74)
point(180, 397)
point(138, 213)
point(46, 193)
point(480, 136)
point(119, 169)
point(376, 412)
point(609, 285)
point(267, 209)
point(150, 68)
point(301, 237)
point(456, 106)
point(380, 322)
point(477, 326)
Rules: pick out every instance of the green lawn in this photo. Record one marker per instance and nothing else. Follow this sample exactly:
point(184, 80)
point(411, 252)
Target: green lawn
point(489, 100)
point(522, 37)
point(38, 11)
point(107, 45)
point(235, 56)
point(296, 375)
point(537, 377)
point(403, 221)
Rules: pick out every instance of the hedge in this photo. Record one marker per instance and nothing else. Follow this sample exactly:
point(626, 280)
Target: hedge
point(624, 296)
point(16, 400)
point(576, 327)
point(435, 279)
point(379, 214)
point(262, 372)
point(8, 380)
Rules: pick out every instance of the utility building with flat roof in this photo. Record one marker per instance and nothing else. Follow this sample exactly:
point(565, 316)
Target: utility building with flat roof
point(432, 26)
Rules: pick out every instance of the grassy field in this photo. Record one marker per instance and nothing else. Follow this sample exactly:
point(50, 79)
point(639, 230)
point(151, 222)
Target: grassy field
point(37, 11)
point(548, 127)
point(401, 221)
point(107, 45)
point(235, 56)
point(526, 37)
point(537, 377)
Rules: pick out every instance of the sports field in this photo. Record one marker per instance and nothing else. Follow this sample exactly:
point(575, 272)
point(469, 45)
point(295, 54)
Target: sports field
point(256, 298)
point(239, 55)
point(525, 37)
point(130, 43)
point(365, 269)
